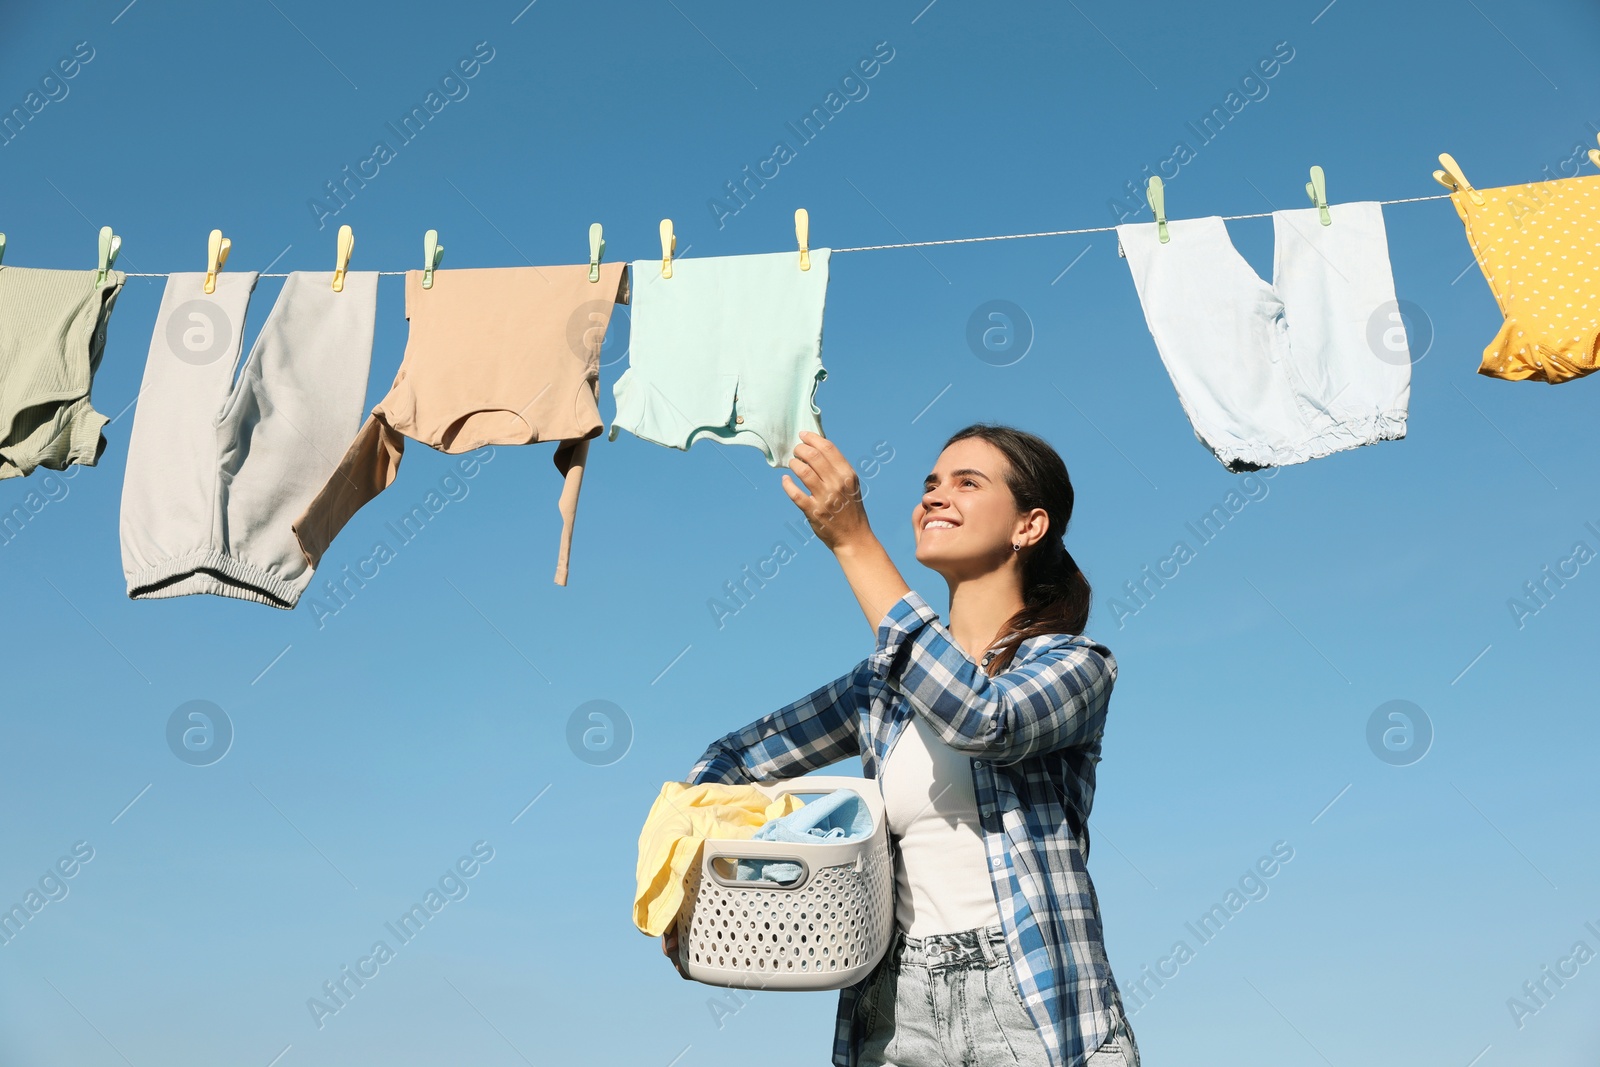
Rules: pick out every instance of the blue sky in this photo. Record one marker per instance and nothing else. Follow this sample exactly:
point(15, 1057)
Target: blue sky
point(375, 746)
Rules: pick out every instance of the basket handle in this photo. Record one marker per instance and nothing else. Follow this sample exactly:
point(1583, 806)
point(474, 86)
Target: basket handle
point(758, 883)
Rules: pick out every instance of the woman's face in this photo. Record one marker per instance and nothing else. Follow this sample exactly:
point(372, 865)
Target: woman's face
point(967, 517)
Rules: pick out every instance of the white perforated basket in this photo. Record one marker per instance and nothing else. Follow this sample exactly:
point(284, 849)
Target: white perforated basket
point(825, 931)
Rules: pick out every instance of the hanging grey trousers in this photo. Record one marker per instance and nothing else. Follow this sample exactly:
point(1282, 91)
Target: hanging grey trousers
point(219, 469)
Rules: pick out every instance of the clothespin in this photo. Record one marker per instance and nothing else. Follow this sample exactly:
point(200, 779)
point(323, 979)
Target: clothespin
point(669, 245)
point(597, 248)
point(1317, 190)
point(347, 244)
point(217, 248)
point(802, 231)
point(1453, 179)
point(1594, 157)
point(432, 253)
point(110, 245)
point(1157, 194)
point(2, 246)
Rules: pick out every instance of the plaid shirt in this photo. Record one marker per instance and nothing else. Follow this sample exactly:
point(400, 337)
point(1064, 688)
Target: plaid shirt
point(1033, 733)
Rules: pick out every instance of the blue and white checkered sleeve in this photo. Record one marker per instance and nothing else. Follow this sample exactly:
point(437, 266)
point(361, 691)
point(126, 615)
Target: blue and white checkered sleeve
point(819, 729)
point(1057, 699)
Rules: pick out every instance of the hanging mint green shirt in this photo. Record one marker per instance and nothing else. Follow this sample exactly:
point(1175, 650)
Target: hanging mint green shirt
point(730, 348)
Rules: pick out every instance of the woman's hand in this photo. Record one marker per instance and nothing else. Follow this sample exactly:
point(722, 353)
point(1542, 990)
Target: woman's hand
point(834, 508)
point(669, 945)
point(835, 512)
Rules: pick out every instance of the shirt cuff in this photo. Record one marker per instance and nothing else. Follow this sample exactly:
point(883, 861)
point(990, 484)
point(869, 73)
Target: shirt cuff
point(905, 617)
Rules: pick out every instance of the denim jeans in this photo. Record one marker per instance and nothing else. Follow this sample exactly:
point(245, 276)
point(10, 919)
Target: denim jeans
point(950, 1000)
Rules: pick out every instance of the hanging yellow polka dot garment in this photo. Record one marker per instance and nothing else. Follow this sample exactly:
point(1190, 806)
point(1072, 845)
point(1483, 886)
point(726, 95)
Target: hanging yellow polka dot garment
point(1539, 248)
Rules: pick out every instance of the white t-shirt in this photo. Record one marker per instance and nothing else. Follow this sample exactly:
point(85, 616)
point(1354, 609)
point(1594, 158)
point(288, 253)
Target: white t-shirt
point(942, 876)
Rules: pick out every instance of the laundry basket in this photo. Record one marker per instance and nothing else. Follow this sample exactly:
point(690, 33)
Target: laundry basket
point(824, 931)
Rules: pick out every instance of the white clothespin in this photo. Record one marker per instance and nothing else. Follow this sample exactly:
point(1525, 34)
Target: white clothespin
point(669, 245)
point(597, 249)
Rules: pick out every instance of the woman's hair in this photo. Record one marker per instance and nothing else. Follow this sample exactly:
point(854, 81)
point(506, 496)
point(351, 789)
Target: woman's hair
point(1055, 594)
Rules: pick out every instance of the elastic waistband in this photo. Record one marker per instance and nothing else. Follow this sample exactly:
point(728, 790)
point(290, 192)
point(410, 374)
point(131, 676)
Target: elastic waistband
point(982, 944)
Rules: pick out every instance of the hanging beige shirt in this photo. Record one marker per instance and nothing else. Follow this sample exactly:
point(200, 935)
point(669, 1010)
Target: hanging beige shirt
point(496, 356)
point(941, 869)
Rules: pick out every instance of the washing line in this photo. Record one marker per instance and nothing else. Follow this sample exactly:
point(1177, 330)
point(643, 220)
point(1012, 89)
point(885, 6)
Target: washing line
point(958, 240)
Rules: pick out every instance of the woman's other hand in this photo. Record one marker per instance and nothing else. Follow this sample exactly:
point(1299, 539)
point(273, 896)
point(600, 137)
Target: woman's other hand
point(833, 508)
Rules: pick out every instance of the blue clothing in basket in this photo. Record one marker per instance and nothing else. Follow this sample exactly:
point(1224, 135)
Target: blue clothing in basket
point(839, 816)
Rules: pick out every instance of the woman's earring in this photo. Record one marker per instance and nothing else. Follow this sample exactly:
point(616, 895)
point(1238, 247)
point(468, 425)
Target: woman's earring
point(1015, 547)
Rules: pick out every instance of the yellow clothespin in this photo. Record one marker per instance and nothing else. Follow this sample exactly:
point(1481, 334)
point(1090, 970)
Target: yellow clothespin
point(217, 249)
point(110, 245)
point(347, 244)
point(432, 253)
point(1453, 179)
point(669, 245)
point(1317, 190)
point(597, 248)
point(1594, 157)
point(1158, 205)
point(802, 231)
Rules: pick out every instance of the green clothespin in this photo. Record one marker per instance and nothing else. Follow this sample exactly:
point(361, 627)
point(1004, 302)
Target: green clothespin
point(432, 253)
point(597, 248)
point(110, 245)
point(1317, 190)
point(1158, 205)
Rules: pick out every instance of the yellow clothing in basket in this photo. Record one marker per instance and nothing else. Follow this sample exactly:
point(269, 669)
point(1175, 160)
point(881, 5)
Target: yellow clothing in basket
point(680, 820)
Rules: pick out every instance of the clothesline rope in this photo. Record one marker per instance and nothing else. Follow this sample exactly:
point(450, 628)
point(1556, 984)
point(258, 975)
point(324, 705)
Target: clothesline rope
point(962, 240)
point(1090, 229)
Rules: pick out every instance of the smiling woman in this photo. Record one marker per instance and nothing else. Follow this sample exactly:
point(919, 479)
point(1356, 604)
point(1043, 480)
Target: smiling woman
point(1006, 749)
